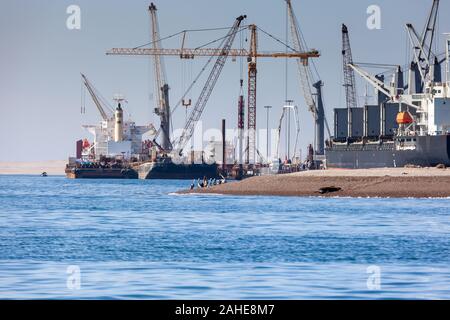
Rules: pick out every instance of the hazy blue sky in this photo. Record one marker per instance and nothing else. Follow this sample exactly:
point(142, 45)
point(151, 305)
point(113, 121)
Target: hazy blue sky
point(41, 60)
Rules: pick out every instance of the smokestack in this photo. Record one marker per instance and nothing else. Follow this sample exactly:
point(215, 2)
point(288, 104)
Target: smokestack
point(118, 129)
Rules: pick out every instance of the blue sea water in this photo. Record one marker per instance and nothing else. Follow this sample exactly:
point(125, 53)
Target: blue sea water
point(132, 239)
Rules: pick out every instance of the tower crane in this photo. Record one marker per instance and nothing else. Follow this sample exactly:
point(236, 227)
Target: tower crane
point(161, 86)
point(222, 53)
point(252, 71)
point(349, 74)
point(252, 55)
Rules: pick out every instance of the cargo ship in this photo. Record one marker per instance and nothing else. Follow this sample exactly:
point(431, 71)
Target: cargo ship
point(119, 140)
point(119, 152)
point(116, 146)
point(410, 123)
point(393, 135)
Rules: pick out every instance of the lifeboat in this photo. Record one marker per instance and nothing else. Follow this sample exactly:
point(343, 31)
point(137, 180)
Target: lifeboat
point(86, 144)
point(404, 118)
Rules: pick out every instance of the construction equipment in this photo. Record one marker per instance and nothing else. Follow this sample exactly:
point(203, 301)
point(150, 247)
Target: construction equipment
point(303, 70)
point(208, 52)
point(319, 128)
point(390, 92)
point(252, 54)
point(424, 57)
point(280, 123)
point(251, 124)
point(105, 116)
point(306, 83)
point(199, 106)
point(161, 86)
point(349, 75)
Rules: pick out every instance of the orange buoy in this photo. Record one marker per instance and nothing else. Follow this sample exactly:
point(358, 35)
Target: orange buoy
point(404, 118)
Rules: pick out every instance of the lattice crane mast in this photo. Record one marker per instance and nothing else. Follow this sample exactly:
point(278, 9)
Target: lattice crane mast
point(252, 71)
point(199, 106)
point(303, 68)
point(349, 74)
point(161, 86)
point(222, 53)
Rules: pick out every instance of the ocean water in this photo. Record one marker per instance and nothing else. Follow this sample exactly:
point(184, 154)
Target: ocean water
point(100, 239)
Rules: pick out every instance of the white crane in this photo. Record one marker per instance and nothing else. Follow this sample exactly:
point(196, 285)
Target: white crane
point(297, 127)
point(105, 115)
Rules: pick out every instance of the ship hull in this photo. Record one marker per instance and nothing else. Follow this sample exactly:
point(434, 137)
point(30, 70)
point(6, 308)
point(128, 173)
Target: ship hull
point(170, 170)
point(101, 173)
point(424, 151)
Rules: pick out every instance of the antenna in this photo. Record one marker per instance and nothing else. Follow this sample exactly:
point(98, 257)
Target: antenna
point(119, 98)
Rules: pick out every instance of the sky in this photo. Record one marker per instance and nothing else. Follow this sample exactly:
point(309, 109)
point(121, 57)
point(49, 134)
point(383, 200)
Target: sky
point(41, 60)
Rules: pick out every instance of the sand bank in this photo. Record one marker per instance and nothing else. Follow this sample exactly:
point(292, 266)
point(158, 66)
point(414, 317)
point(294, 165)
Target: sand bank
point(389, 182)
point(53, 167)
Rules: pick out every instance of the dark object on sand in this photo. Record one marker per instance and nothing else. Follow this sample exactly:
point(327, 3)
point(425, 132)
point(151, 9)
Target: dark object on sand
point(441, 166)
point(328, 189)
point(44, 174)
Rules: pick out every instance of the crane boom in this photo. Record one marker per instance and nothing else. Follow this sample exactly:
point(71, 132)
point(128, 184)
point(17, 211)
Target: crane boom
point(303, 69)
point(422, 45)
point(429, 31)
point(208, 52)
point(379, 85)
point(199, 106)
point(94, 97)
point(161, 86)
point(349, 74)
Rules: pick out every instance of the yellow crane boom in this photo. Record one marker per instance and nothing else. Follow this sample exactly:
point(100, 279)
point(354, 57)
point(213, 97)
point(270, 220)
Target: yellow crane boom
point(207, 52)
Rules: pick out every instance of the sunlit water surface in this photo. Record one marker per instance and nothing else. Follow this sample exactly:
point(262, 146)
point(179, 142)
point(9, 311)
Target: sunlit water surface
point(135, 239)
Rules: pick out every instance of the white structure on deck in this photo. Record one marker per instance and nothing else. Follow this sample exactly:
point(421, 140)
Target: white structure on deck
point(114, 136)
point(430, 108)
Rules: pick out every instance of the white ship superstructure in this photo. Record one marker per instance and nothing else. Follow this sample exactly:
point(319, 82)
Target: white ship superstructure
point(114, 136)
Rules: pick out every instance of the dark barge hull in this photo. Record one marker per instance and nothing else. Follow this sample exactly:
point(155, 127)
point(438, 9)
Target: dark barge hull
point(155, 170)
point(101, 173)
point(425, 151)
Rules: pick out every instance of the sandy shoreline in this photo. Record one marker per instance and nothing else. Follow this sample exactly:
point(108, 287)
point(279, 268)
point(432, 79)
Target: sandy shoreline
point(52, 167)
point(392, 183)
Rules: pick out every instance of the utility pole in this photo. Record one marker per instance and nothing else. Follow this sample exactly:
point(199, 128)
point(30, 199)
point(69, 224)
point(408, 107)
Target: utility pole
point(267, 138)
